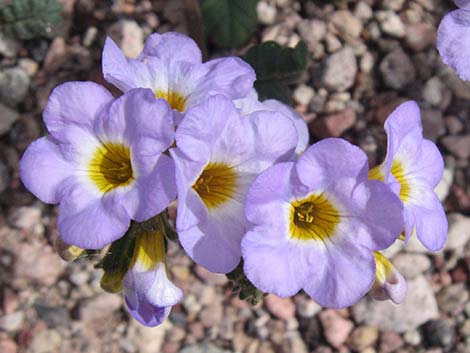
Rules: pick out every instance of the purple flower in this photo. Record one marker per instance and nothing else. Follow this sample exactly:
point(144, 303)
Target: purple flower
point(413, 167)
point(102, 162)
point(171, 65)
point(148, 293)
point(389, 283)
point(453, 39)
point(218, 154)
point(315, 224)
point(251, 104)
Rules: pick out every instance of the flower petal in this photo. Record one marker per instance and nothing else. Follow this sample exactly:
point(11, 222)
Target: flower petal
point(213, 236)
point(431, 222)
point(331, 157)
point(389, 283)
point(172, 46)
point(279, 268)
point(75, 104)
point(374, 211)
point(88, 221)
point(463, 4)
point(230, 76)
point(453, 41)
point(146, 313)
point(43, 169)
point(347, 276)
point(300, 124)
point(429, 167)
point(116, 69)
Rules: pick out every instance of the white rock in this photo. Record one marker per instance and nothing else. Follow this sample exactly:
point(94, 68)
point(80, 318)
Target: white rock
point(418, 307)
point(459, 231)
point(363, 11)
point(442, 189)
point(128, 36)
point(266, 13)
point(340, 71)
point(411, 265)
point(12, 322)
point(391, 24)
point(303, 94)
point(433, 91)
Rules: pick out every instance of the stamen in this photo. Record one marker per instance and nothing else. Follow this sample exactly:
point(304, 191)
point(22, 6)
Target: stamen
point(216, 184)
point(176, 100)
point(313, 218)
point(111, 167)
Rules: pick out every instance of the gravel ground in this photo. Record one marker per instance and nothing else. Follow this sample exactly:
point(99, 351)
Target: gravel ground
point(365, 58)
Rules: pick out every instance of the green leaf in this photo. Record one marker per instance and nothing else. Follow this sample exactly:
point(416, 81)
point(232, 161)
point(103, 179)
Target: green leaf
point(28, 19)
point(116, 263)
point(276, 67)
point(229, 23)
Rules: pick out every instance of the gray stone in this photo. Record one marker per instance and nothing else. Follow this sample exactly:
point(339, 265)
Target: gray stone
point(332, 43)
point(14, 85)
point(12, 322)
point(203, 348)
point(4, 177)
point(7, 118)
point(307, 308)
point(395, 5)
point(433, 124)
point(46, 341)
point(8, 46)
point(459, 231)
point(411, 265)
point(439, 333)
point(340, 71)
point(397, 69)
point(433, 91)
point(452, 299)
point(418, 307)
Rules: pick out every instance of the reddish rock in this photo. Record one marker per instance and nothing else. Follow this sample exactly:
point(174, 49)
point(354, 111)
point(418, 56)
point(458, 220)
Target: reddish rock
point(282, 308)
point(38, 263)
point(459, 146)
point(56, 55)
point(420, 36)
point(390, 341)
point(8, 346)
point(333, 125)
point(336, 329)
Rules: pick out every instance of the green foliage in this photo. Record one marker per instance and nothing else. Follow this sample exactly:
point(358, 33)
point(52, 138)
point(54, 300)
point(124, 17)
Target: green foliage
point(276, 67)
point(229, 23)
point(116, 263)
point(241, 285)
point(28, 19)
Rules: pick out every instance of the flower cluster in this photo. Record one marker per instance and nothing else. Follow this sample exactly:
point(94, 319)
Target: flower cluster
point(250, 192)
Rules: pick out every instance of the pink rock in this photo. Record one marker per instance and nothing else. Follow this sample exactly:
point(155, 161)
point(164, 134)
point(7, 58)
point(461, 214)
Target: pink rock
point(8, 346)
point(282, 308)
point(333, 125)
point(335, 328)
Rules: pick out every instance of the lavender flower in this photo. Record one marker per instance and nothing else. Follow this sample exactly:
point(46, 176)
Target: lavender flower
point(453, 39)
point(148, 292)
point(413, 167)
point(102, 162)
point(389, 283)
point(171, 65)
point(218, 154)
point(315, 224)
point(251, 104)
